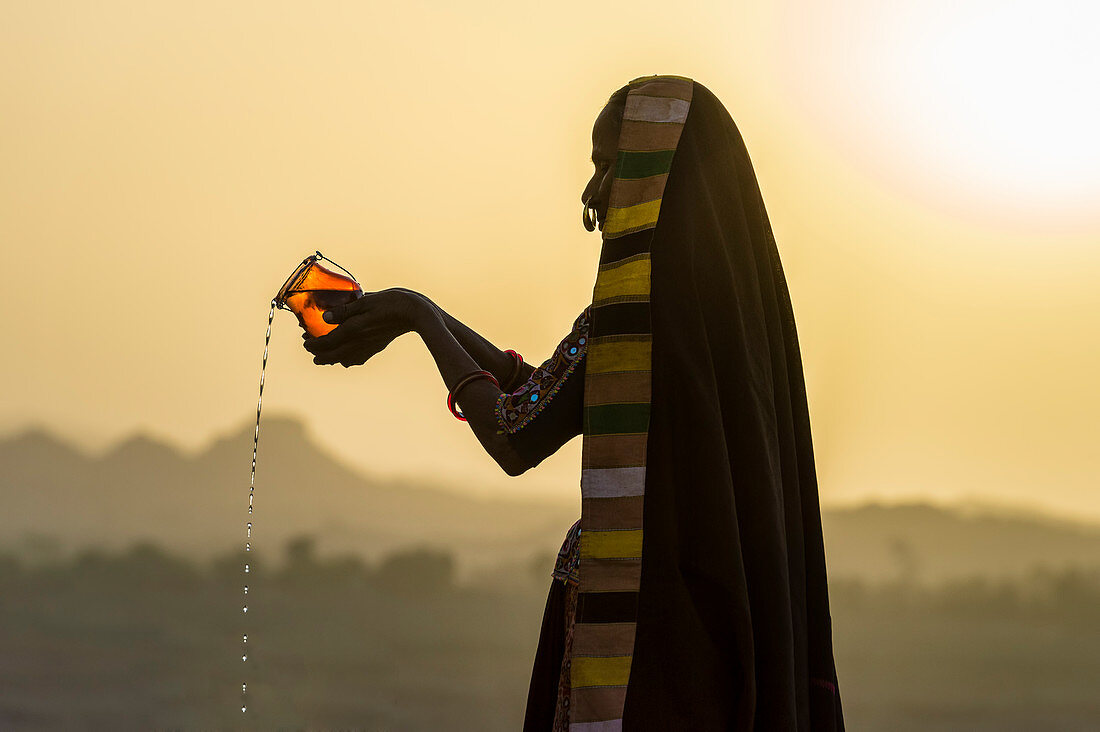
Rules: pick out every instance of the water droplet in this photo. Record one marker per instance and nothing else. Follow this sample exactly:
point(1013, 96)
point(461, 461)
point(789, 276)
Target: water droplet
point(246, 589)
point(244, 688)
point(248, 546)
point(244, 709)
point(246, 569)
point(250, 510)
point(246, 638)
point(250, 529)
point(245, 609)
point(244, 657)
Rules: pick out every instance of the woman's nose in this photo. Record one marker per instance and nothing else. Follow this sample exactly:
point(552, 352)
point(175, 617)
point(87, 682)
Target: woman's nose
point(589, 191)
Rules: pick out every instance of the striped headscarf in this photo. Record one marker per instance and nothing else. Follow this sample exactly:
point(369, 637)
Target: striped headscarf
point(617, 393)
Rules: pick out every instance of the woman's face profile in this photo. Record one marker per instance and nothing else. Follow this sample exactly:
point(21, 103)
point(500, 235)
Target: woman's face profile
point(605, 140)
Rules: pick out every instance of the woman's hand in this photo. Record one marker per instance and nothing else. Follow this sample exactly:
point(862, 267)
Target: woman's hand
point(366, 326)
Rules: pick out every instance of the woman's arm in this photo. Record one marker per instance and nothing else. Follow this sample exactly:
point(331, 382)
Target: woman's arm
point(478, 398)
point(488, 356)
point(369, 324)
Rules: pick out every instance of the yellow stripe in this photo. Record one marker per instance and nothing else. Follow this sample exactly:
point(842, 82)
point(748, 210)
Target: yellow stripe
point(619, 356)
point(625, 544)
point(631, 278)
point(632, 217)
point(599, 671)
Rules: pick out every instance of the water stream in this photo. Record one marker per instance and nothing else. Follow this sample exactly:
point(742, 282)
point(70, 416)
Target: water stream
point(251, 497)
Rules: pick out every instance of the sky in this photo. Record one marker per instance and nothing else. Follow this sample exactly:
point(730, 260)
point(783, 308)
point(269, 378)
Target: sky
point(931, 171)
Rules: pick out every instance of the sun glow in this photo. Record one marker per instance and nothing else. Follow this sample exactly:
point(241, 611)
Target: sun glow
point(986, 106)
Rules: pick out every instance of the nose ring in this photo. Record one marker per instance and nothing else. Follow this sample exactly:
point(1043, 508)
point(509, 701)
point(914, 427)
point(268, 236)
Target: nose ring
point(588, 218)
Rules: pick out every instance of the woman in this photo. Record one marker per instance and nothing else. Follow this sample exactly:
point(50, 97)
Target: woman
point(684, 377)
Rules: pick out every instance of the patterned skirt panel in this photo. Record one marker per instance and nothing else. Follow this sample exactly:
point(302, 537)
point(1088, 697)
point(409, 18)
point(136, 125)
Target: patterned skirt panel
point(565, 570)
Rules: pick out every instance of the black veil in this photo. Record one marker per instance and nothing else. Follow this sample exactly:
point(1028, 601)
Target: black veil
point(733, 624)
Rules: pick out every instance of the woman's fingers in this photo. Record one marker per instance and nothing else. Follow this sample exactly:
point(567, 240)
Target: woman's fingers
point(331, 351)
point(349, 356)
point(350, 331)
point(328, 357)
point(339, 313)
point(359, 337)
point(352, 324)
point(325, 343)
point(370, 342)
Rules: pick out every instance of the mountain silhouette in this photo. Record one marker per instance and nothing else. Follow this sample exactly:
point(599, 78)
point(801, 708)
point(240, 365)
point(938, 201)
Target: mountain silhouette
point(922, 542)
point(144, 489)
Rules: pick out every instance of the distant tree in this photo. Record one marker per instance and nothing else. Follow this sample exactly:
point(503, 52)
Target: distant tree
point(300, 561)
point(417, 571)
point(301, 553)
point(345, 570)
point(143, 564)
point(10, 569)
point(1072, 590)
point(301, 565)
point(906, 560)
point(229, 568)
point(147, 563)
point(849, 592)
point(40, 549)
point(976, 597)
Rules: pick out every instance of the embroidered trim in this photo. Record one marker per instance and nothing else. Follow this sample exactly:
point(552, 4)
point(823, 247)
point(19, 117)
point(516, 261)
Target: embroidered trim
point(514, 411)
point(566, 566)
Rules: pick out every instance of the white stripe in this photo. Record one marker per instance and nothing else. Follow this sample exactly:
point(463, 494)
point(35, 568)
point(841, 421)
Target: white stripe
point(656, 109)
point(612, 482)
point(610, 725)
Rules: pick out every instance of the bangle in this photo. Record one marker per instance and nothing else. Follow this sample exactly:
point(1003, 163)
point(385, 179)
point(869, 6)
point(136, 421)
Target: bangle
point(453, 393)
point(517, 367)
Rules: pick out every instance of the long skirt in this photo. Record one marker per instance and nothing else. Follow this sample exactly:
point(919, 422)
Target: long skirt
point(548, 695)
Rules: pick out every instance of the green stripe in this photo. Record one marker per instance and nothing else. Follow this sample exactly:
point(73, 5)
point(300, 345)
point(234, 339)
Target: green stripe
point(616, 419)
point(643, 164)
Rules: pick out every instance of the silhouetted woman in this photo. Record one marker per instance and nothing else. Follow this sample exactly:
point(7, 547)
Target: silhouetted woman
point(691, 594)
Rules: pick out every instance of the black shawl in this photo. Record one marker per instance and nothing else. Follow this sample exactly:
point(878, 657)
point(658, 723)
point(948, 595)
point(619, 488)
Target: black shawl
point(703, 599)
point(734, 630)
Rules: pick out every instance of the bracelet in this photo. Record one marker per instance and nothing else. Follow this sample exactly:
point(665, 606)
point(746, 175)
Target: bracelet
point(453, 393)
point(517, 368)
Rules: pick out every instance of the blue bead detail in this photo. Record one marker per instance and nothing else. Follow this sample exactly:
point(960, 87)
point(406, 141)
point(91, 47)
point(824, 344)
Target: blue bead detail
point(546, 380)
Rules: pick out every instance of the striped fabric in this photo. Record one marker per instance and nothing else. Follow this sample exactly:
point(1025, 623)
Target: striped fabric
point(656, 108)
point(617, 406)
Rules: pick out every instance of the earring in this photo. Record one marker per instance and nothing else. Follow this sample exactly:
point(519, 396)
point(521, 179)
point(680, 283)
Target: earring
point(588, 218)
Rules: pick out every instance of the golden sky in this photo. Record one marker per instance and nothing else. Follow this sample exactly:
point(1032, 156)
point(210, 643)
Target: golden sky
point(932, 186)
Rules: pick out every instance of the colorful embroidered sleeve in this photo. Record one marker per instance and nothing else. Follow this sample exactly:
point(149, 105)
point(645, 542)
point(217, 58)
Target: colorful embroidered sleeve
point(516, 410)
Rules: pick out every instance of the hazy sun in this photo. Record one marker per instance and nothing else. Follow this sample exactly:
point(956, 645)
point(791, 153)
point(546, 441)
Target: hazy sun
point(989, 103)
